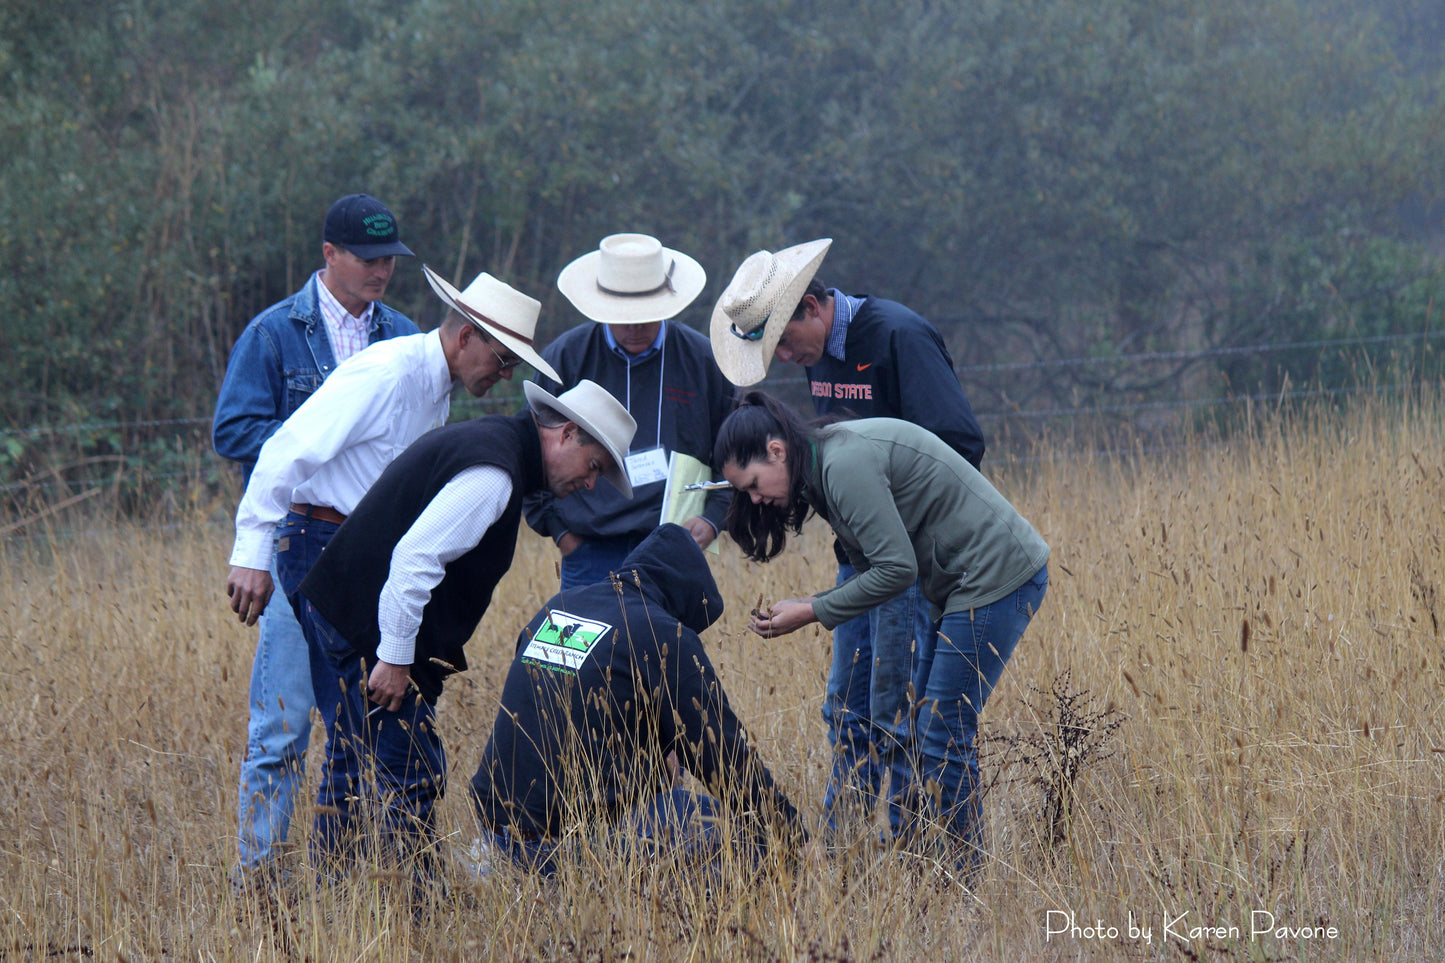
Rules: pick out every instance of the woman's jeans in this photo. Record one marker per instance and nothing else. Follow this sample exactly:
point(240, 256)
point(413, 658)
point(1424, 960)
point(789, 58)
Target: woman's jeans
point(927, 745)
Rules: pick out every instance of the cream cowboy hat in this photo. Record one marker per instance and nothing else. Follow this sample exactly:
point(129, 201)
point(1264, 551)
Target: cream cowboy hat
point(632, 279)
point(588, 405)
point(498, 309)
point(749, 317)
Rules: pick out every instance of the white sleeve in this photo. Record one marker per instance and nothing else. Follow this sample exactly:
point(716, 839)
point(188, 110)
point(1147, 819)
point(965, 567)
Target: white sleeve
point(448, 528)
point(349, 407)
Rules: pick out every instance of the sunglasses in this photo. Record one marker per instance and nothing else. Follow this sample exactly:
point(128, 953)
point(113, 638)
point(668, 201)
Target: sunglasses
point(756, 334)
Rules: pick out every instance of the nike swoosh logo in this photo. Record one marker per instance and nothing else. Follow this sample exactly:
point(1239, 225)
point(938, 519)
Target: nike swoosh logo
point(865, 367)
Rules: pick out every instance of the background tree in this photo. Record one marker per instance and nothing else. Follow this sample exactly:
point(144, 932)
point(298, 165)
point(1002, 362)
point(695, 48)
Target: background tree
point(1057, 183)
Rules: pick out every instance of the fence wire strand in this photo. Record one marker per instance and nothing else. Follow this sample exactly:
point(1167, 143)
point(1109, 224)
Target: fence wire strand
point(469, 407)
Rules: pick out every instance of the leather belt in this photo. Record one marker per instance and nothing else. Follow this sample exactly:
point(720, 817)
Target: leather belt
point(319, 512)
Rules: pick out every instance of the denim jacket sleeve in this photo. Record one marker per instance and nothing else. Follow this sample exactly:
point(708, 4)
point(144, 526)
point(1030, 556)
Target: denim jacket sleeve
point(278, 361)
point(252, 403)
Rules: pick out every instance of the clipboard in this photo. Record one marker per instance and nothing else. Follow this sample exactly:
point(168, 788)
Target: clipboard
point(685, 493)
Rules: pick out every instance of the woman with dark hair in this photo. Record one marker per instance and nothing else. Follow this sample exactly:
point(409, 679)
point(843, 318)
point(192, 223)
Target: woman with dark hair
point(905, 507)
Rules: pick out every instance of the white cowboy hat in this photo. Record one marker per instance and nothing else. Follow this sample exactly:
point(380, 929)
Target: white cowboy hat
point(749, 317)
point(588, 405)
point(632, 279)
point(498, 309)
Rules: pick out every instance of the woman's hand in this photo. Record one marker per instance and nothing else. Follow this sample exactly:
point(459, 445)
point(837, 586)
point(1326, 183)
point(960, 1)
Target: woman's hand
point(783, 617)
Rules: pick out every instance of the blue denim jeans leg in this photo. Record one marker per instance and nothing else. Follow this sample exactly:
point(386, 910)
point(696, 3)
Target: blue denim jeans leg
point(677, 823)
point(384, 770)
point(279, 729)
point(866, 705)
point(595, 559)
point(533, 855)
point(958, 668)
point(680, 823)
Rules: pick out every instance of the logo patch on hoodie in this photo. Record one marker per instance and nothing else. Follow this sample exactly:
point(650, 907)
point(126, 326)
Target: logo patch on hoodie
point(564, 641)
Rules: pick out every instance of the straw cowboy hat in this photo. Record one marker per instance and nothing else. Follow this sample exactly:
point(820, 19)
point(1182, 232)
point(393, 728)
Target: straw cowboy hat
point(591, 408)
point(749, 317)
point(498, 309)
point(632, 279)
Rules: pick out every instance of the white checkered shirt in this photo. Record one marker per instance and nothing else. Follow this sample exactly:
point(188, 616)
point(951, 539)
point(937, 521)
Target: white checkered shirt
point(348, 335)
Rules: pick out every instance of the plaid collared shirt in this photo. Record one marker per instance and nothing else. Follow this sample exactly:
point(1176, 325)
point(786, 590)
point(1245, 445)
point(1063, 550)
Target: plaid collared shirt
point(348, 335)
point(843, 310)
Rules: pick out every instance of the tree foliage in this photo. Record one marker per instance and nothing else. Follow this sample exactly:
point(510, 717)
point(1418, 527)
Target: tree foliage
point(1046, 178)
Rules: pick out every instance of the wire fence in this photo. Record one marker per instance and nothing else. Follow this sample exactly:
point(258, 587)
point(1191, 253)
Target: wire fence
point(965, 371)
point(42, 491)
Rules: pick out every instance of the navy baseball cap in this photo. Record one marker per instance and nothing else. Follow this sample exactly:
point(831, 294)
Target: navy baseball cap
point(365, 227)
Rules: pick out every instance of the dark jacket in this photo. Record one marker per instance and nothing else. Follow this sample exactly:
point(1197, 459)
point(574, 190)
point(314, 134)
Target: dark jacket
point(695, 400)
point(346, 581)
point(607, 680)
point(895, 365)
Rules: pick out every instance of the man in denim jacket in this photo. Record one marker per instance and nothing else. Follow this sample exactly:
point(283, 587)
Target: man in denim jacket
point(281, 357)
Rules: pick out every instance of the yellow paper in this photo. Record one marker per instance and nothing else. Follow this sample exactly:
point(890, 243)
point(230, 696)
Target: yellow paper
point(677, 505)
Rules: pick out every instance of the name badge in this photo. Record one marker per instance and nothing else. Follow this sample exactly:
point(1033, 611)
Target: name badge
point(646, 467)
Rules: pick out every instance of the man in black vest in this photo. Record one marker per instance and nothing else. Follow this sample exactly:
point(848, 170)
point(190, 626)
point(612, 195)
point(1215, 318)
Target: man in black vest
point(389, 603)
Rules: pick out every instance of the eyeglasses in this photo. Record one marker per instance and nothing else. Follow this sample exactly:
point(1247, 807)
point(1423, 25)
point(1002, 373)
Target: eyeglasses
point(502, 363)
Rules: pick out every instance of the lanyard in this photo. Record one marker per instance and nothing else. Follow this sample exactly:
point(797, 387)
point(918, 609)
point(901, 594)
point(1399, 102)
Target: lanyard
point(661, 374)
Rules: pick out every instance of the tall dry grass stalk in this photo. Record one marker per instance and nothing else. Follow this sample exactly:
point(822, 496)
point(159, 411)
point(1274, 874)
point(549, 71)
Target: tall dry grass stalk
point(1262, 617)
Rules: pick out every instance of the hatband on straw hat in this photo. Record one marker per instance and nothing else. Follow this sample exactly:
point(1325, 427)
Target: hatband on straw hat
point(631, 279)
point(755, 307)
point(498, 309)
point(588, 405)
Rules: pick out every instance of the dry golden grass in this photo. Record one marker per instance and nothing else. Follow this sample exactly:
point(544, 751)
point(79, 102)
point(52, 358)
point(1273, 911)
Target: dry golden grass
point(1264, 615)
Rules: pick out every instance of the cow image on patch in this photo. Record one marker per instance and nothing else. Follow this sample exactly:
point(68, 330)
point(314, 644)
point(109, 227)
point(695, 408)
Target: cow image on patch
point(563, 641)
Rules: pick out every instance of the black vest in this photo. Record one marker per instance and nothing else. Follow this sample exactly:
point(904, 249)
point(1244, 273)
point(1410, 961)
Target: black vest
point(346, 581)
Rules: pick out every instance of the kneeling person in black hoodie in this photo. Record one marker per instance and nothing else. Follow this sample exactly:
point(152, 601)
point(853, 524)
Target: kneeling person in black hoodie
point(607, 681)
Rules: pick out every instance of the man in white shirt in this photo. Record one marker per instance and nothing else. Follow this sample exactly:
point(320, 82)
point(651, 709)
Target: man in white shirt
point(324, 458)
point(389, 605)
point(321, 460)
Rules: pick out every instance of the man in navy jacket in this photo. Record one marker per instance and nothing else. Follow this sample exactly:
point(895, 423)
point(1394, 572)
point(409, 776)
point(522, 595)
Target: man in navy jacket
point(631, 289)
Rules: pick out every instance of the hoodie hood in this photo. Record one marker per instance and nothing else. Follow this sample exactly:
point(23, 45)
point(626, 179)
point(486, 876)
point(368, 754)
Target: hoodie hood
point(674, 574)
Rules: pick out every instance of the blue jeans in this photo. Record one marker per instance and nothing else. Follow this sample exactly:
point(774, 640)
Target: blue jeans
point(595, 559)
point(676, 823)
point(958, 668)
point(866, 706)
point(932, 763)
point(384, 770)
point(276, 737)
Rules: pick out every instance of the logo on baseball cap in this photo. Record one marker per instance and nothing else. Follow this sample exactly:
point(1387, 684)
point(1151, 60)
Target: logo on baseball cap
point(365, 227)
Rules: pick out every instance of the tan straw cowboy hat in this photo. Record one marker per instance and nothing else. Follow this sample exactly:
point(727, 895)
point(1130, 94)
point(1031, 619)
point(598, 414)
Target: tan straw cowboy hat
point(749, 317)
point(498, 309)
point(588, 405)
point(631, 279)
